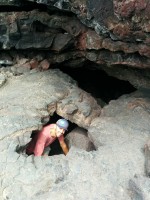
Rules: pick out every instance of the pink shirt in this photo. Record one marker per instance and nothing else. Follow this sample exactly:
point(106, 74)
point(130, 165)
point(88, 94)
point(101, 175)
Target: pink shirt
point(41, 140)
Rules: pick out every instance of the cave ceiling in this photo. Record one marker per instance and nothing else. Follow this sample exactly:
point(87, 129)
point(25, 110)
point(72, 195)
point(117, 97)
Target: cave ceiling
point(114, 35)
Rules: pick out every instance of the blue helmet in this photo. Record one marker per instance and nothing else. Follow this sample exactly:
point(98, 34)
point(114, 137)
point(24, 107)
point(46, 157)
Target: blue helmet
point(62, 123)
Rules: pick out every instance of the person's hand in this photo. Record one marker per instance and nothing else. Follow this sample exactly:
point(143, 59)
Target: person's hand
point(59, 131)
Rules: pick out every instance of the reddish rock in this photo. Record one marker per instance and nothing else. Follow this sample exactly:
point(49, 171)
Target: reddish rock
point(140, 5)
point(122, 30)
point(34, 63)
point(81, 42)
point(44, 64)
point(123, 8)
point(144, 50)
point(147, 41)
point(27, 65)
point(89, 40)
point(147, 10)
point(93, 40)
point(129, 8)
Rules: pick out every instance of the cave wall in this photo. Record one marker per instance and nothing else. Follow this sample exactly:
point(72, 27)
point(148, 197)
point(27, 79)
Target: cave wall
point(114, 35)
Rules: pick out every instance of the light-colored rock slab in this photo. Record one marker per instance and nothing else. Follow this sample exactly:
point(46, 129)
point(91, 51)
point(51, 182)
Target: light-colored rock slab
point(119, 134)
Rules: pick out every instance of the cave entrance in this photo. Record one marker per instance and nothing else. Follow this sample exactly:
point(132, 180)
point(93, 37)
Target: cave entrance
point(97, 82)
point(55, 148)
point(74, 136)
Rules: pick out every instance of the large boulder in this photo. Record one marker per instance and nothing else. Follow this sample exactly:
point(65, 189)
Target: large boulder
point(79, 139)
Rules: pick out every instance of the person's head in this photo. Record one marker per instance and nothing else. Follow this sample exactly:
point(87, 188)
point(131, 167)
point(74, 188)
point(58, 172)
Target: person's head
point(62, 126)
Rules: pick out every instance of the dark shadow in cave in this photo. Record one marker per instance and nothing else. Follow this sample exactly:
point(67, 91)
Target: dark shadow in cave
point(21, 6)
point(98, 83)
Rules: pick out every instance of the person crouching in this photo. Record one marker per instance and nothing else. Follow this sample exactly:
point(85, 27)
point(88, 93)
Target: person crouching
point(42, 139)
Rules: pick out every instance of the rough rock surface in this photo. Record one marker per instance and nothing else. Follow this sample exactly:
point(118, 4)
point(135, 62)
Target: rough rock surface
point(140, 187)
point(38, 34)
point(40, 94)
point(25, 100)
point(119, 134)
point(78, 138)
point(113, 34)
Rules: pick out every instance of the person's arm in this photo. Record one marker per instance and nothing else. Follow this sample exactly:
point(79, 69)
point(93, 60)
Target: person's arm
point(63, 144)
point(40, 144)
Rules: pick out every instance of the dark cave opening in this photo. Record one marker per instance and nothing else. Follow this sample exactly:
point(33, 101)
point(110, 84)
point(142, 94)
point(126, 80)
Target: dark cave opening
point(30, 6)
point(75, 139)
point(74, 136)
point(99, 83)
point(55, 148)
point(22, 6)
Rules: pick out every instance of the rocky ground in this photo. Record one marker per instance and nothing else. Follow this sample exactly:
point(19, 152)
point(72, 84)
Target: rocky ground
point(115, 170)
point(108, 158)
